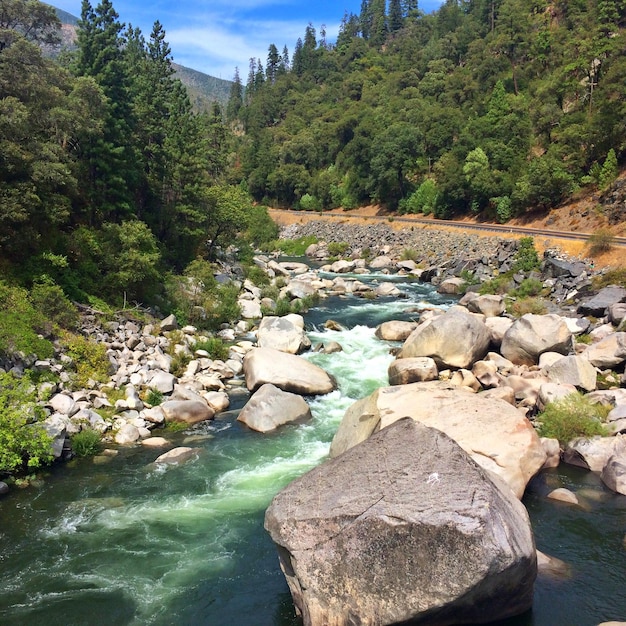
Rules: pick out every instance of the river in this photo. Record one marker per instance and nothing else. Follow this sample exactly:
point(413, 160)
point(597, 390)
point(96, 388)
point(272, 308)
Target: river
point(128, 543)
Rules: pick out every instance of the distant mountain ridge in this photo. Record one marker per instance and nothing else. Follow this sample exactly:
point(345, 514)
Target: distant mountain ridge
point(203, 89)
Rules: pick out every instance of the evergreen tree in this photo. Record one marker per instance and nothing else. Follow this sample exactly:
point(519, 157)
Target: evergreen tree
point(28, 19)
point(365, 19)
point(235, 100)
point(378, 32)
point(395, 16)
point(284, 61)
point(273, 64)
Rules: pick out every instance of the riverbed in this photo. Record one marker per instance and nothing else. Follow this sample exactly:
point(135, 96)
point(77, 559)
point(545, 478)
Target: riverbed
point(128, 542)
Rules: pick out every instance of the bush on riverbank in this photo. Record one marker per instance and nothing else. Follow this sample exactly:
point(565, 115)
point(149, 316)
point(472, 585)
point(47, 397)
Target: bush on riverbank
point(23, 441)
point(571, 417)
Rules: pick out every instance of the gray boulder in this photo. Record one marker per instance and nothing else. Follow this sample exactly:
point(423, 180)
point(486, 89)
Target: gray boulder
point(404, 527)
point(497, 436)
point(573, 370)
point(614, 472)
point(271, 407)
point(531, 335)
point(287, 371)
point(454, 339)
point(489, 305)
point(187, 411)
point(608, 352)
point(283, 333)
point(177, 455)
point(598, 305)
point(414, 370)
point(395, 330)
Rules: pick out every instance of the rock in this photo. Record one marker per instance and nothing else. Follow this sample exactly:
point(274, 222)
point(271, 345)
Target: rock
point(454, 339)
point(395, 330)
point(169, 323)
point(452, 285)
point(271, 407)
point(380, 262)
point(465, 378)
point(413, 370)
point(598, 305)
point(155, 442)
point(217, 400)
point(495, 434)
point(617, 313)
point(573, 370)
point(330, 347)
point(488, 305)
point(497, 327)
point(187, 411)
point(577, 325)
point(404, 527)
point(591, 453)
point(614, 472)
point(387, 289)
point(548, 358)
point(486, 372)
point(553, 451)
point(342, 266)
point(300, 289)
point(563, 495)
point(127, 434)
point(154, 415)
point(552, 567)
point(287, 371)
point(283, 333)
point(177, 455)
point(250, 309)
point(501, 393)
point(4, 488)
point(64, 404)
point(531, 335)
point(551, 392)
point(162, 381)
point(608, 352)
point(56, 428)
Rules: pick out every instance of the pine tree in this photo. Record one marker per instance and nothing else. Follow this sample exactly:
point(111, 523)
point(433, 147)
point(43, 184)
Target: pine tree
point(378, 32)
point(284, 60)
point(273, 63)
point(235, 100)
point(395, 16)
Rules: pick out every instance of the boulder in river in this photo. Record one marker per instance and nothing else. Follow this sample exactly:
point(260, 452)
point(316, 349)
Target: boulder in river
point(403, 527)
point(287, 371)
point(456, 339)
point(271, 407)
point(494, 433)
point(283, 333)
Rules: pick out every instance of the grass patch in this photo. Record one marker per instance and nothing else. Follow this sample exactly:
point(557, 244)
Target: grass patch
point(214, 346)
point(573, 416)
point(611, 277)
point(87, 442)
point(601, 241)
point(291, 247)
point(521, 307)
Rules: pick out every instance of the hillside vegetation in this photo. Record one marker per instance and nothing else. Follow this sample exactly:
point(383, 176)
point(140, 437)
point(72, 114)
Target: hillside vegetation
point(492, 106)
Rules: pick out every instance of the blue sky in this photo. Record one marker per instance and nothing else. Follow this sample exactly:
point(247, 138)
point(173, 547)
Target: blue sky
point(215, 36)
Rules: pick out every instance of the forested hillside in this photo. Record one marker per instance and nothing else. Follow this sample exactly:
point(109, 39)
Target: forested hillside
point(492, 106)
point(108, 178)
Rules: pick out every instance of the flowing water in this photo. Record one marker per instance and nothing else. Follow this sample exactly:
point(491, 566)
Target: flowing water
point(127, 542)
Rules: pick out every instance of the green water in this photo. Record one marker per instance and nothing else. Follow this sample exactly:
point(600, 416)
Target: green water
point(130, 543)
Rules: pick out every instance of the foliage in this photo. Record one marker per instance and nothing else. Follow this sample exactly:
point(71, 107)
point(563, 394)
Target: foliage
point(337, 248)
point(601, 241)
point(292, 247)
point(87, 442)
point(609, 170)
point(526, 257)
point(522, 306)
point(21, 324)
point(499, 285)
point(527, 288)
point(23, 441)
point(257, 275)
point(615, 276)
point(260, 227)
point(571, 417)
point(214, 346)
point(179, 363)
point(89, 360)
point(51, 302)
point(153, 397)
point(409, 254)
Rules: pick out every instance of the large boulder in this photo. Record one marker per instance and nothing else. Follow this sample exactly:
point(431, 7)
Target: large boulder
point(287, 371)
point(532, 335)
point(395, 330)
point(417, 369)
point(598, 305)
point(271, 407)
point(494, 433)
point(187, 411)
point(283, 333)
point(488, 305)
point(404, 527)
point(607, 353)
point(573, 370)
point(455, 339)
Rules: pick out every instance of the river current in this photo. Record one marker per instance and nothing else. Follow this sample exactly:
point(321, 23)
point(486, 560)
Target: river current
point(128, 543)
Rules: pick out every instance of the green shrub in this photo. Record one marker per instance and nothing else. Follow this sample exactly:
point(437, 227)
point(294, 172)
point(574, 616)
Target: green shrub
point(310, 203)
point(214, 346)
point(601, 241)
point(337, 248)
point(87, 442)
point(21, 324)
point(611, 277)
point(283, 307)
point(257, 275)
point(261, 229)
point(526, 258)
point(52, 303)
point(573, 416)
point(23, 441)
point(179, 363)
point(521, 307)
point(291, 247)
point(89, 360)
point(528, 287)
point(153, 397)
point(498, 285)
point(409, 254)
point(423, 199)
